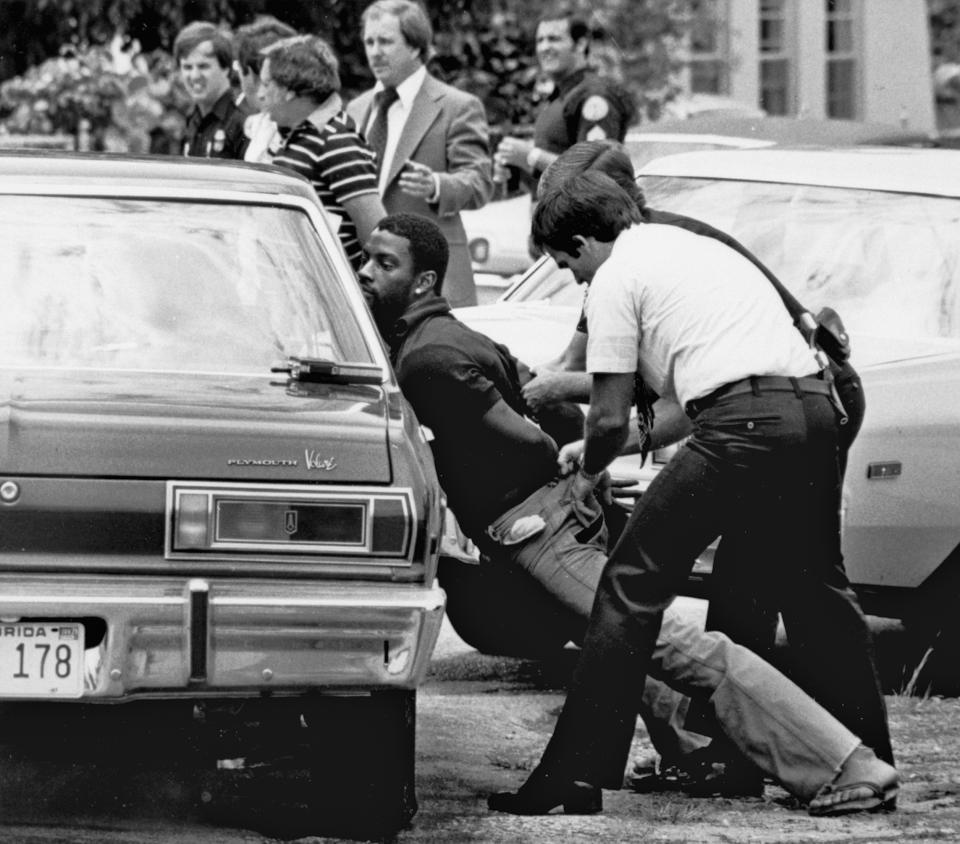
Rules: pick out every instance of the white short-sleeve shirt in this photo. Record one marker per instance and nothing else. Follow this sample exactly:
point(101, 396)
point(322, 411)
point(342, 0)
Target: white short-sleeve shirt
point(691, 313)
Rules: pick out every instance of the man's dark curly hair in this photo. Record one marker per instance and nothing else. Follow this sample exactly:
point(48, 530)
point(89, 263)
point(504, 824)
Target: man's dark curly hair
point(428, 246)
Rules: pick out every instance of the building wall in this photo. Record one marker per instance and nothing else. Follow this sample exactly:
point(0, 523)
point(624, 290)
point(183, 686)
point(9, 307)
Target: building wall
point(898, 85)
point(892, 57)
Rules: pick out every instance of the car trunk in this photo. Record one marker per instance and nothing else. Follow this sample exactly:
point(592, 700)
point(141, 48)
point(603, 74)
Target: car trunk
point(91, 452)
point(173, 425)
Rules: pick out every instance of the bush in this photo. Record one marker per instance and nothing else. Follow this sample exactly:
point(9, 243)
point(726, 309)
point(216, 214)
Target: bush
point(126, 100)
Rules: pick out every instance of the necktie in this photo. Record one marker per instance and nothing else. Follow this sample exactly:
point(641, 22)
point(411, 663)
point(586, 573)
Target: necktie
point(377, 136)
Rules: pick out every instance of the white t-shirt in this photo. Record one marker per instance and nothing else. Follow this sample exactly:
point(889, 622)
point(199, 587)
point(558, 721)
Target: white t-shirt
point(691, 313)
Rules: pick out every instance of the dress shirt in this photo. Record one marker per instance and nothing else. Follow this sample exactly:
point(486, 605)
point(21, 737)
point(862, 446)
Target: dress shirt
point(397, 116)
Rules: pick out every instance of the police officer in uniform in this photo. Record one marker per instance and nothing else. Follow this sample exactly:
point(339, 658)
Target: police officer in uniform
point(582, 105)
point(204, 55)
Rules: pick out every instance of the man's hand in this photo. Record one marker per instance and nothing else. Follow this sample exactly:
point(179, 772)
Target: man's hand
point(543, 388)
point(569, 457)
point(513, 152)
point(418, 180)
point(582, 485)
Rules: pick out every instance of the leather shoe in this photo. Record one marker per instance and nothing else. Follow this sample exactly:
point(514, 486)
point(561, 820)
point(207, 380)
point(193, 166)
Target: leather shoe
point(706, 774)
point(656, 778)
point(578, 798)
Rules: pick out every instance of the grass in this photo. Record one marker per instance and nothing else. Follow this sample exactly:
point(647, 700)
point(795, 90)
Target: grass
point(911, 687)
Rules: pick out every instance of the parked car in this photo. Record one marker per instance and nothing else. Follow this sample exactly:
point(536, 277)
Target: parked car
point(724, 131)
point(498, 232)
point(872, 232)
point(211, 490)
point(688, 106)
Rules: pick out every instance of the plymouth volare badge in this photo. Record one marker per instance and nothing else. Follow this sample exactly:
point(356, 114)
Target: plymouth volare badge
point(315, 461)
point(261, 461)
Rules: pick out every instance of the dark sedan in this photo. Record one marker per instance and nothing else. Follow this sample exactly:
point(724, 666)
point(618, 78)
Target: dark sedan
point(211, 489)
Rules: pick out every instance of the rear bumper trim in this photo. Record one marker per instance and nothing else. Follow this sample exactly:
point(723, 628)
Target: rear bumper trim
point(180, 637)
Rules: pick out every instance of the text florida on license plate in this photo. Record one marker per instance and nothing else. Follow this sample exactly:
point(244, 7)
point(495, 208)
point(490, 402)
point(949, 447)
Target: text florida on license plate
point(41, 659)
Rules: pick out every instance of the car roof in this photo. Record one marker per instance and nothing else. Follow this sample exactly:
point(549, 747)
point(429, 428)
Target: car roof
point(96, 171)
point(790, 130)
point(895, 169)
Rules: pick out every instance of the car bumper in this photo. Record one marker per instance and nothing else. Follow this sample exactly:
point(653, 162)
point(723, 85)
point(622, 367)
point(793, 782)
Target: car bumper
point(196, 637)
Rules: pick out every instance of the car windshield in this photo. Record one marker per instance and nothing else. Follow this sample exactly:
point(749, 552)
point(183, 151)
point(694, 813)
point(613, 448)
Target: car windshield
point(887, 262)
point(167, 285)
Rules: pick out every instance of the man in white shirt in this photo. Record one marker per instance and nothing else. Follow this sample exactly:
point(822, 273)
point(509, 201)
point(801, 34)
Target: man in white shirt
point(433, 140)
point(259, 127)
point(698, 323)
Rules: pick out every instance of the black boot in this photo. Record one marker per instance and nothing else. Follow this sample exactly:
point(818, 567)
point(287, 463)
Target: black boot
point(577, 798)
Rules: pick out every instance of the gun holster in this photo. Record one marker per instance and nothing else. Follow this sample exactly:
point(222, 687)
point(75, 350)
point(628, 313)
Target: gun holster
point(831, 336)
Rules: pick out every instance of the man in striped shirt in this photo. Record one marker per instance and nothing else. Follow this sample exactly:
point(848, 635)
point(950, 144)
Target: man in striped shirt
point(299, 88)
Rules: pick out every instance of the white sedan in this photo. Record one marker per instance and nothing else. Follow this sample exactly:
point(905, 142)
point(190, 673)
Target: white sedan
point(875, 234)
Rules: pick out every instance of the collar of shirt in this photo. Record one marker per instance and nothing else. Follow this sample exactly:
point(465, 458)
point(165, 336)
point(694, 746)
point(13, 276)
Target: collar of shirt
point(397, 116)
point(329, 108)
point(219, 112)
point(412, 317)
point(569, 82)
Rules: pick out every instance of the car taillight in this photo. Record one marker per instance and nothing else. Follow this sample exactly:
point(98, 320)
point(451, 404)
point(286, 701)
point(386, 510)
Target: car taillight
point(237, 520)
point(193, 521)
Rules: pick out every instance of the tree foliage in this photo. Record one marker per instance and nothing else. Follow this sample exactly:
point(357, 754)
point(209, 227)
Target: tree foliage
point(58, 50)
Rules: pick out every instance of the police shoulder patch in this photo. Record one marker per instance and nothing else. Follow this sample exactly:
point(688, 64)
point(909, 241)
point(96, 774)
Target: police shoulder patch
point(595, 108)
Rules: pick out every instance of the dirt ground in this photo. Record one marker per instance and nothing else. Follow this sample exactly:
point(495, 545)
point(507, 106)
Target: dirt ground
point(481, 724)
point(473, 741)
point(483, 721)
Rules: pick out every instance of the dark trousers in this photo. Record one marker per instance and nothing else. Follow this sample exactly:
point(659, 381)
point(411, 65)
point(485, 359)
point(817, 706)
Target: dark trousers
point(764, 467)
point(749, 616)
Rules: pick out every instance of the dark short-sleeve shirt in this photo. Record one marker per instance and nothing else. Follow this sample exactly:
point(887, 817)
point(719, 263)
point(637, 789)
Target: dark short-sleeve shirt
point(218, 133)
point(339, 165)
point(583, 106)
point(452, 376)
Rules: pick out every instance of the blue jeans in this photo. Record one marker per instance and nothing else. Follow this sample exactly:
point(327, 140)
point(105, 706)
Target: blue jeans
point(764, 466)
point(775, 724)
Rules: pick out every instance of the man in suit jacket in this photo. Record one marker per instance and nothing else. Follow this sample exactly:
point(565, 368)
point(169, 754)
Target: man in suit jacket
point(435, 150)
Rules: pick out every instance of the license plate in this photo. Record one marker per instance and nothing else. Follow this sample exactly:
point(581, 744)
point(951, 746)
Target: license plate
point(42, 659)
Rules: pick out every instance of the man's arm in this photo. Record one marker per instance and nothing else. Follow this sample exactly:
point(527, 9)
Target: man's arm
point(504, 420)
point(608, 420)
point(468, 180)
point(563, 379)
point(670, 424)
point(366, 211)
point(522, 154)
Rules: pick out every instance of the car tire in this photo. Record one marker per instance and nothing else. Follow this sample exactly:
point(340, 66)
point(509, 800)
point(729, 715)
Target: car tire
point(338, 766)
point(363, 772)
point(502, 611)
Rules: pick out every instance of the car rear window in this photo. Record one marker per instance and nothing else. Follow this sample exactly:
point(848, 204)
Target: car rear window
point(168, 285)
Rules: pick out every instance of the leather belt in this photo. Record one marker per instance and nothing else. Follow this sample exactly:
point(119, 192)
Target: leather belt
point(759, 384)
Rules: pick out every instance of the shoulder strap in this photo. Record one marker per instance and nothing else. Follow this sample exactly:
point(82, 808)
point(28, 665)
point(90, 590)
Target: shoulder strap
point(824, 332)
